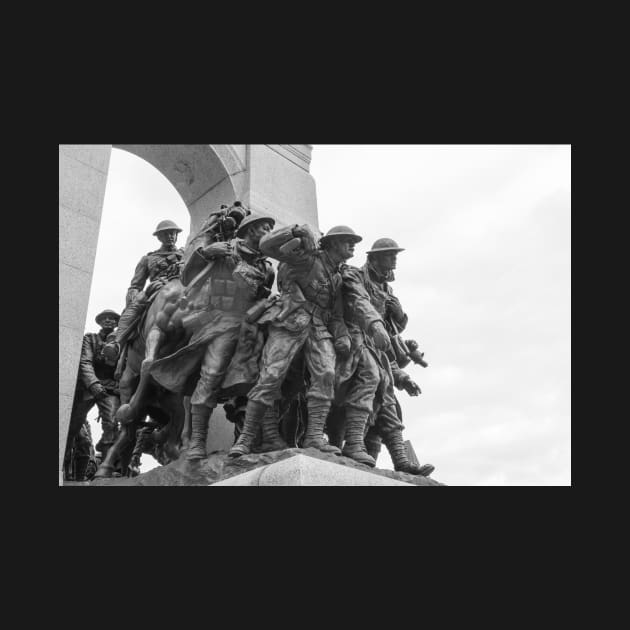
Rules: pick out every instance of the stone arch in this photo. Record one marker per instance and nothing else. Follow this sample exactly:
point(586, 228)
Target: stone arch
point(204, 175)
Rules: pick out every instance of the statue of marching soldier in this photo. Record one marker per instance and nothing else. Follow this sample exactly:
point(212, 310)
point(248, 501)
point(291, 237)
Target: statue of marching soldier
point(207, 330)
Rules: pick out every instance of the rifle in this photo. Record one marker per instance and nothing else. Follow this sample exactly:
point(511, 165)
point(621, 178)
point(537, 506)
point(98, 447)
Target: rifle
point(405, 351)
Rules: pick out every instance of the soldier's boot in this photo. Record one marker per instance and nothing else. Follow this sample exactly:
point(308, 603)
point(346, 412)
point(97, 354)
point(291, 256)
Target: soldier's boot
point(80, 467)
point(394, 443)
point(373, 448)
point(134, 466)
point(314, 437)
point(111, 349)
point(354, 446)
point(200, 418)
point(254, 414)
point(271, 438)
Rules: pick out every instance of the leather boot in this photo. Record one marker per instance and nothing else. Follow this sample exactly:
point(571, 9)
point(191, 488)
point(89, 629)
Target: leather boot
point(254, 414)
point(314, 437)
point(199, 433)
point(354, 446)
point(271, 438)
point(111, 349)
point(394, 443)
point(80, 467)
point(373, 447)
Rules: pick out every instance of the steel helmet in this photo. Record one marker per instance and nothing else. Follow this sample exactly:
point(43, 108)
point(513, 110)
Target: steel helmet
point(103, 314)
point(250, 220)
point(385, 245)
point(166, 225)
point(341, 230)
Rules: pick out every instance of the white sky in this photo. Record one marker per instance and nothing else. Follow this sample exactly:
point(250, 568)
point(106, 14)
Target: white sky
point(485, 280)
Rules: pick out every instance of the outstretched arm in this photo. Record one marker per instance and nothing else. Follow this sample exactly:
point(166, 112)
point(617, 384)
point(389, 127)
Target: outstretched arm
point(273, 244)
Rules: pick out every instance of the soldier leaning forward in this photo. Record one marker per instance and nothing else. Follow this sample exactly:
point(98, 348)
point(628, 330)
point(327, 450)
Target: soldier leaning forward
point(157, 268)
point(308, 316)
point(239, 277)
point(387, 424)
point(359, 373)
point(96, 385)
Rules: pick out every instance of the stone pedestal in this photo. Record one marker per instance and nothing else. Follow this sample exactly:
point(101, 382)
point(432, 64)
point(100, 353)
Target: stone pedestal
point(301, 470)
point(291, 467)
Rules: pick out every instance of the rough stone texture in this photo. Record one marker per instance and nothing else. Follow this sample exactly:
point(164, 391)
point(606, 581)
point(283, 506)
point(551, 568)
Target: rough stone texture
point(301, 470)
point(82, 178)
point(218, 467)
point(281, 187)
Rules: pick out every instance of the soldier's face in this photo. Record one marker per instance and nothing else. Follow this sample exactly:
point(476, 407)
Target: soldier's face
point(257, 231)
point(386, 260)
point(108, 323)
point(344, 247)
point(167, 237)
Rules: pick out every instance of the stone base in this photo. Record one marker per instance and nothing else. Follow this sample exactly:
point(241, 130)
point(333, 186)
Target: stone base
point(291, 467)
point(302, 470)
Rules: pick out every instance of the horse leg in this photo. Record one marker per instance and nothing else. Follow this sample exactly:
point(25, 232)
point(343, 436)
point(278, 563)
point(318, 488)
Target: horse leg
point(130, 412)
point(107, 467)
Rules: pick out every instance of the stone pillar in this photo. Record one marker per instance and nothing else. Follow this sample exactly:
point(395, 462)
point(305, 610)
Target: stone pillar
point(82, 178)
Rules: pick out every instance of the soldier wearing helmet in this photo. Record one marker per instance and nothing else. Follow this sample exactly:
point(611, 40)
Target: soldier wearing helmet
point(307, 318)
point(96, 385)
point(157, 267)
point(386, 425)
point(237, 276)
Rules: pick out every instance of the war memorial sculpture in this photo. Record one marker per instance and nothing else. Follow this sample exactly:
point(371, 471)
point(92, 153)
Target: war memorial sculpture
point(313, 365)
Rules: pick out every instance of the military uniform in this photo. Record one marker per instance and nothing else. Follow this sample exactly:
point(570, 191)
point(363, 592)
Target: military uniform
point(309, 317)
point(161, 265)
point(236, 282)
point(93, 369)
point(359, 374)
point(386, 425)
point(158, 268)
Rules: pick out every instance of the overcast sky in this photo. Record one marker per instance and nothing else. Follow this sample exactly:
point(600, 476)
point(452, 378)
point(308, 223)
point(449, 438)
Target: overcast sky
point(485, 280)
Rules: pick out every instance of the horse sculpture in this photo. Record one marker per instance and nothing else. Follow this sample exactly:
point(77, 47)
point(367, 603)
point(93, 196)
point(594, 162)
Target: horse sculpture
point(166, 326)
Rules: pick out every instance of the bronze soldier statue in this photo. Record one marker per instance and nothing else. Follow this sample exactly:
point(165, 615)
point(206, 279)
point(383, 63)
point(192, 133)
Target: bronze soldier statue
point(308, 317)
point(229, 278)
point(96, 385)
point(377, 273)
point(358, 373)
point(157, 267)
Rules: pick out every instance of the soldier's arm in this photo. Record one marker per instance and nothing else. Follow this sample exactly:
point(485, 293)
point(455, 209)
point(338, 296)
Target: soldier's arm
point(86, 367)
point(402, 380)
point(140, 277)
point(271, 244)
point(337, 325)
point(395, 311)
point(357, 298)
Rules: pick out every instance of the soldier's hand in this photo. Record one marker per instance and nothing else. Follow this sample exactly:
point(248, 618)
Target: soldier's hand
point(299, 231)
point(342, 347)
point(411, 387)
point(380, 336)
point(98, 391)
point(154, 286)
point(217, 250)
point(394, 307)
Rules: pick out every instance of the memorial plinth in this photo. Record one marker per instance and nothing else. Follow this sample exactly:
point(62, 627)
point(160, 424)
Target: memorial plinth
point(291, 467)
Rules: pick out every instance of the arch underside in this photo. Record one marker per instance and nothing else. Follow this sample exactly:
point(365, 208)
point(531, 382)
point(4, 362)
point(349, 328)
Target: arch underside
point(194, 169)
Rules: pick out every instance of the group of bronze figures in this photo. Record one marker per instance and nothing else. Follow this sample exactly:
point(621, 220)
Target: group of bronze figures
point(315, 365)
